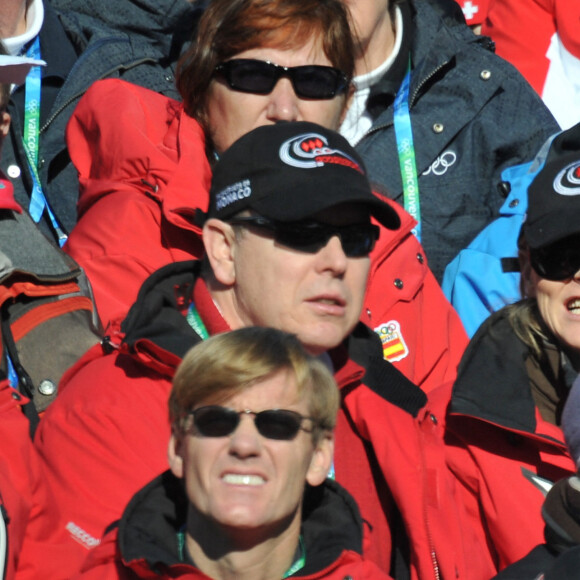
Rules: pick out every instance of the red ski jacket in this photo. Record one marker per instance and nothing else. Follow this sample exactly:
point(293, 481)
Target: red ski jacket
point(142, 179)
point(106, 436)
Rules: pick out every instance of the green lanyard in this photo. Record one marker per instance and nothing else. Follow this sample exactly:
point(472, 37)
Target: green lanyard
point(406, 151)
point(298, 564)
point(194, 320)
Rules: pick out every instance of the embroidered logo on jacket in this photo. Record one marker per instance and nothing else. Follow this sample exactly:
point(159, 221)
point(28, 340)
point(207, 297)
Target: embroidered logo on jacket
point(441, 164)
point(394, 345)
point(82, 537)
point(567, 182)
point(311, 150)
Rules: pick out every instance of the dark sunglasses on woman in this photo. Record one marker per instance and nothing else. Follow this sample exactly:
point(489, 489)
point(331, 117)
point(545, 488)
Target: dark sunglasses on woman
point(557, 261)
point(260, 77)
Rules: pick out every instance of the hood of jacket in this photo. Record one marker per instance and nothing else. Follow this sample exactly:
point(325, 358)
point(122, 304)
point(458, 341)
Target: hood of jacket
point(493, 383)
point(162, 24)
point(331, 524)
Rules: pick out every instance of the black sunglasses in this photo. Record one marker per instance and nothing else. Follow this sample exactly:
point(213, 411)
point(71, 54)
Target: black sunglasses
point(259, 76)
point(217, 421)
point(357, 240)
point(557, 261)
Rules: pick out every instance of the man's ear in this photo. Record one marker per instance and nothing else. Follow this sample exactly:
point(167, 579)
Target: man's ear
point(174, 455)
point(219, 240)
point(321, 460)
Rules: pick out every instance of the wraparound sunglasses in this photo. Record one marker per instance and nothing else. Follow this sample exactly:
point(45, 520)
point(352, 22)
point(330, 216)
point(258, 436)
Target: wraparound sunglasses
point(260, 77)
point(357, 240)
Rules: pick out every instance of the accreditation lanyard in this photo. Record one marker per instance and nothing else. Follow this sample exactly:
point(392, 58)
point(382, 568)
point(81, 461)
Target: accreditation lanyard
point(31, 138)
point(406, 151)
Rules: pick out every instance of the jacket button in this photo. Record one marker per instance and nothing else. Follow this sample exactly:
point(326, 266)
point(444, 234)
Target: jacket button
point(398, 283)
point(438, 128)
point(485, 75)
point(13, 171)
point(47, 387)
point(514, 203)
point(504, 188)
point(420, 258)
point(16, 396)
point(433, 419)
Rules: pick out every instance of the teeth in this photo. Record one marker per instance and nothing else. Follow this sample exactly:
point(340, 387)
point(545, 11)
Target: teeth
point(328, 301)
point(237, 479)
point(574, 304)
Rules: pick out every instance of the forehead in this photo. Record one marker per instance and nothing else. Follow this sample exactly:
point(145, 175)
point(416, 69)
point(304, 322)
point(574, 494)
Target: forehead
point(277, 391)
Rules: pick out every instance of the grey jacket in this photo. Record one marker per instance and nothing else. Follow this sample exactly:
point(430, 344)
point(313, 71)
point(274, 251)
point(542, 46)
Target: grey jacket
point(84, 41)
point(472, 116)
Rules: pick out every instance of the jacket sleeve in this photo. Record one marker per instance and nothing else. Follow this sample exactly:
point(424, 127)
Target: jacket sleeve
point(98, 443)
point(137, 199)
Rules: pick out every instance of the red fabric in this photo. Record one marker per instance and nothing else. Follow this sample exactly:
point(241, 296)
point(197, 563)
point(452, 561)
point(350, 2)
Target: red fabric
point(105, 563)
point(18, 474)
point(522, 31)
point(7, 200)
point(488, 461)
point(126, 230)
point(106, 435)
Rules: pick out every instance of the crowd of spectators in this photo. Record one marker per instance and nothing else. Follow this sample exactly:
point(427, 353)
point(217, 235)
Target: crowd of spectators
point(289, 288)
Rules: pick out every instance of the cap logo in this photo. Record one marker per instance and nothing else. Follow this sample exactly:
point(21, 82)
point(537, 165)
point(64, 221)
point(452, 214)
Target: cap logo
point(311, 150)
point(233, 193)
point(567, 182)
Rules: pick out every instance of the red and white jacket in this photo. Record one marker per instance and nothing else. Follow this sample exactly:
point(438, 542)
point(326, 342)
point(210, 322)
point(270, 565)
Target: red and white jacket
point(141, 181)
point(541, 38)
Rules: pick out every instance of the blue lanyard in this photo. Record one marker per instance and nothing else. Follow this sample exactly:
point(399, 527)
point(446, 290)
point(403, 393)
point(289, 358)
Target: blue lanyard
point(31, 138)
point(406, 151)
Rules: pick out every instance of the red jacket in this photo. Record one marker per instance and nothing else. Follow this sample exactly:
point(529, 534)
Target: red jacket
point(106, 436)
point(140, 182)
point(18, 471)
point(142, 544)
point(504, 455)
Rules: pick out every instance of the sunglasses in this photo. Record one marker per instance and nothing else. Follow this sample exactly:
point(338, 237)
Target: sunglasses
point(279, 424)
point(557, 261)
point(260, 77)
point(357, 240)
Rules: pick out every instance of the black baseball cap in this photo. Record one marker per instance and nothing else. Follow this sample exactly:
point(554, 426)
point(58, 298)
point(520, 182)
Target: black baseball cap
point(554, 194)
point(290, 171)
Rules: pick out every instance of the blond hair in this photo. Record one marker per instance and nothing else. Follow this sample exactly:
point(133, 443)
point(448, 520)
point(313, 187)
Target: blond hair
point(222, 366)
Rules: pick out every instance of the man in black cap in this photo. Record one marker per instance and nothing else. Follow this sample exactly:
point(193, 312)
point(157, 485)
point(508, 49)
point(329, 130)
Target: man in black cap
point(287, 237)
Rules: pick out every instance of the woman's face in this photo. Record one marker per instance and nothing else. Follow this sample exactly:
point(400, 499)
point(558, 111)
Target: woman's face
point(559, 305)
point(232, 113)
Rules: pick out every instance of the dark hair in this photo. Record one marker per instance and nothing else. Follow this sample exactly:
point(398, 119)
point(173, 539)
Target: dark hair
point(229, 27)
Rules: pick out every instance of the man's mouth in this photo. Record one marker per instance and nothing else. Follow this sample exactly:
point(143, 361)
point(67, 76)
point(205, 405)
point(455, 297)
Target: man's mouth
point(243, 479)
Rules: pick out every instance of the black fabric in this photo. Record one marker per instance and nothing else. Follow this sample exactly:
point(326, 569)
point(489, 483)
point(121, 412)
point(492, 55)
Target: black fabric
point(148, 528)
point(364, 347)
point(492, 382)
point(155, 315)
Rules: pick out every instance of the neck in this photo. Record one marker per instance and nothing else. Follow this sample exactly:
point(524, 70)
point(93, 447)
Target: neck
point(225, 301)
point(241, 554)
point(12, 18)
point(375, 44)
